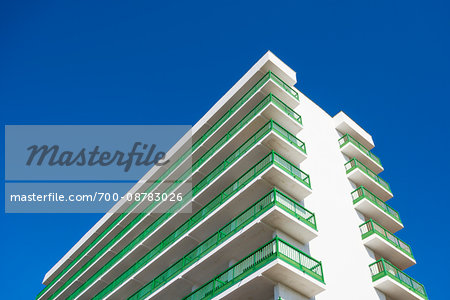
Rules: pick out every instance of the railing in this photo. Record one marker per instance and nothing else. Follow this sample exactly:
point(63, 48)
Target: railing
point(354, 163)
point(258, 136)
point(272, 126)
point(295, 209)
point(274, 198)
point(269, 99)
point(348, 138)
point(362, 193)
point(285, 86)
point(268, 76)
point(383, 268)
point(275, 249)
point(291, 169)
point(370, 227)
point(289, 111)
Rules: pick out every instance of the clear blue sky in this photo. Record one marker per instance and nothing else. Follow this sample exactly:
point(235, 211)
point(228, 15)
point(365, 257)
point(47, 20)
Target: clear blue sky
point(385, 63)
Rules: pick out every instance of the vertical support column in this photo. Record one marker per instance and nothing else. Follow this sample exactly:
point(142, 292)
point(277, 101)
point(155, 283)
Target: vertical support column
point(282, 292)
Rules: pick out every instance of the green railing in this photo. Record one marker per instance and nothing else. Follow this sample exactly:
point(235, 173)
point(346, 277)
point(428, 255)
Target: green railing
point(371, 227)
point(268, 76)
point(285, 108)
point(285, 86)
point(273, 198)
point(354, 163)
point(266, 101)
point(382, 268)
point(269, 99)
point(348, 138)
point(363, 193)
point(270, 126)
point(275, 249)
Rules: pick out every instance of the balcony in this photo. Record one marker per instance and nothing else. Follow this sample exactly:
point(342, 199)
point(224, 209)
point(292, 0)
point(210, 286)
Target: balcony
point(270, 108)
point(264, 84)
point(268, 83)
point(277, 261)
point(273, 168)
point(345, 125)
point(363, 176)
point(371, 206)
point(394, 283)
point(286, 93)
point(280, 111)
point(352, 148)
point(303, 233)
point(386, 245)
point(271, 132)
point(270, 207)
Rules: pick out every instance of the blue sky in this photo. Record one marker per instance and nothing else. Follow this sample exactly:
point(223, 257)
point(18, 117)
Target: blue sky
point(385, 63)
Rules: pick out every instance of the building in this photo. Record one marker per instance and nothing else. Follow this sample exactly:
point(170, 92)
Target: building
point(286, 204)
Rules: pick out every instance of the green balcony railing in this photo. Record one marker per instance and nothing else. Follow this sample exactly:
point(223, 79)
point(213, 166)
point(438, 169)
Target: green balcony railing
point(258, 136)
point(269, 126)
point(354, 163)
point(268, 76)
point(382, 268)
point(273, 198)
point(347, 138)
point(285, 86)
point(363, 193)
point(270, 99)
point(274, 249)
point(371, 227)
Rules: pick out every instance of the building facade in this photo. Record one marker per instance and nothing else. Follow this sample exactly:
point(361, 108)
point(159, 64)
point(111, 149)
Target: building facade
point(279, 201)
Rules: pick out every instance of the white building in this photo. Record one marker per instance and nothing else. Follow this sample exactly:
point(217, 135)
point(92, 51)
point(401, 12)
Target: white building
point(286, 204)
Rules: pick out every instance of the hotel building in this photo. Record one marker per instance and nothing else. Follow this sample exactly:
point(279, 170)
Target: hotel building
point(279, 201)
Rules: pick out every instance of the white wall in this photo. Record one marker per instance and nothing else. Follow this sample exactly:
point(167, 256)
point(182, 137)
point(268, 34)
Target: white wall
point(339, 246)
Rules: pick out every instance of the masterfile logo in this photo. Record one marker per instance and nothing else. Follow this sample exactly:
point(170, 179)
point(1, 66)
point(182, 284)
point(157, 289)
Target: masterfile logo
point(84, 168)
point(52, 156)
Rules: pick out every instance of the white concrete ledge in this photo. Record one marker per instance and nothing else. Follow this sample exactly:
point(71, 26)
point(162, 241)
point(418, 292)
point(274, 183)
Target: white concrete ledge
point(388, 251)
point(345, 125)
point(395, 290)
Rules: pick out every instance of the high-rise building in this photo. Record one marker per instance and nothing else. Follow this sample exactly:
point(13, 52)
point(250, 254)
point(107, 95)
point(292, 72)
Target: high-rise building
point(278, 200)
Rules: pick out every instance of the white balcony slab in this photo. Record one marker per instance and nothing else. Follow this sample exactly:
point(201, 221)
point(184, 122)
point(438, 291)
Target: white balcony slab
point(345, 125)
point(275, 271)
point(352, 151)
point(395, 290)
point(388, 251)
point(360, 178)
point(372, 211)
